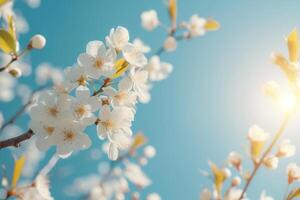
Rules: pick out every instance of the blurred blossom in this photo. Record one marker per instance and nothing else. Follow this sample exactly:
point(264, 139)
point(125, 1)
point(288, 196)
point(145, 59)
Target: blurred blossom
point(24, 92)
point(235, 160)
point(196, 26)
point(46, 72)
point(205, 194)
point(7, 84)
point(135, 175)
point(236, 181)
point(293, 173)
point(21, 24)
point(1, 119)
point(158, 70)
point(33, 158)
point(264, 196)
point(149, 20)
point(149, 151)
point(233, 194)
point(257, 138)
point(286, 149)
point(33, 3)
point(271, 162)
point(153, 196)
point(272, 89)
point(170, 44)
point(141, 46)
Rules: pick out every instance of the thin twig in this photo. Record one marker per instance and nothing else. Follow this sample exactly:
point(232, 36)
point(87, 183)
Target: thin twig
point(15, 141)
point(266, 153)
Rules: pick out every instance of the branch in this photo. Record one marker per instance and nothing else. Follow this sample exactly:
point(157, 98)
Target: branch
point(15, 141)
point(266, 153)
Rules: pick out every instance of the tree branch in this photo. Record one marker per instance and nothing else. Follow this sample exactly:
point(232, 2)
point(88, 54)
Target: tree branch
point(15, 141)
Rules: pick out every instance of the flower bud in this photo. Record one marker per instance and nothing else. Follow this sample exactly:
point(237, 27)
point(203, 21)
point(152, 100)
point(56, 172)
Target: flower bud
point(271, 162)
point(170, 44)
point(15, 72)
point(236, 181)
point(226, 172)
point(235, 160)
point(149, 151)
point(37, 42)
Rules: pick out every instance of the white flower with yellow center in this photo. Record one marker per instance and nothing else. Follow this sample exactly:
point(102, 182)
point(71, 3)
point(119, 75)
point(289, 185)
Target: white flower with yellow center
point(50, 108)
point(70, 137)
point(117, 38)
point(134, 56)
point(149, 20)
point(196, 26)
point(115, 125)
point(158, 70)
point(76, 75)
point(123, 96)
point(84, 105)
point(98, 61)
point(140, 85)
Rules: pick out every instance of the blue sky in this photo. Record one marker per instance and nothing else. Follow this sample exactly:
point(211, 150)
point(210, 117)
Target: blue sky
point(203, 111)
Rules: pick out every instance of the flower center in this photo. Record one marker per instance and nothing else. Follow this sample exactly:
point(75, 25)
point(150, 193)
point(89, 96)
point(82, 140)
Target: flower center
point(53, 111)
point(109, 124)
point(80, 111)
point(49, 130)
point(69, 135)
point(98, 63)
point(120, 96)
point(82, 80)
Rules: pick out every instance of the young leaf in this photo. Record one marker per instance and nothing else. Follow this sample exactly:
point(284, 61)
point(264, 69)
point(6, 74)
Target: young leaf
point(7, 42)
point(173, 11)
point(139, 140)
point(293, 45)
point(19, 164)
point(294, 194)
point(11, 27)
point(121, 66)
point(2, 2)
point(211, 25)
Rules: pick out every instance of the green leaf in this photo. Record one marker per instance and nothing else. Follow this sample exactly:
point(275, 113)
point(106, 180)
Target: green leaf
point(7, 42)
point(295, 193)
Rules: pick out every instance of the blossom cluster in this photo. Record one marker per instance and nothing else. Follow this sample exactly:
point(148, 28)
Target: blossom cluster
point(60, 115)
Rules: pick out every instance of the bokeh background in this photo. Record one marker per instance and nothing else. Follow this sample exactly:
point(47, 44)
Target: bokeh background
point(204, 109)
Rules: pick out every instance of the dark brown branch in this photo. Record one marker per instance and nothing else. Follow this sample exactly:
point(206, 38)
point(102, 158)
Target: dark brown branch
point(15, 141)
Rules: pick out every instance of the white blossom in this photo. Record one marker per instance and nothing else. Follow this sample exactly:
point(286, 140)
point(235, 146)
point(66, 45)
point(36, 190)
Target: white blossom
point(293, 172)
point(123, 96)
point(170, 44)
point(153, 196)
point(286, 149)
point(98, 61)
point(149, 20)
point(205, 194)
point(134, 56)
point(135, 175)
point(196, 26)
point(118, 38)
point(158, 70)
point(141, 46)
